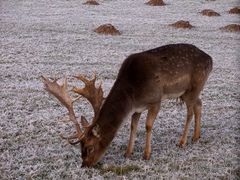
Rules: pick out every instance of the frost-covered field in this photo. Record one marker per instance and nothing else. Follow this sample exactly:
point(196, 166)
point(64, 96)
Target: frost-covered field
point(56, 38)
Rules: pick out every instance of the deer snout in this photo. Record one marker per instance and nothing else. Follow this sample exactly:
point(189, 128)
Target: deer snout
point(88, 163)
point(85, 164)
point(91, 163)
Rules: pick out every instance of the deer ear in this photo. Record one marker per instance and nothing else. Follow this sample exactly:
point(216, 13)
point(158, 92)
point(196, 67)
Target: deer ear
point(96, 131)
point(84, 122)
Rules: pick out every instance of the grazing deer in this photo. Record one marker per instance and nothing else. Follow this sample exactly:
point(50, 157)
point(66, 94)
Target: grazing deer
point(144, 80)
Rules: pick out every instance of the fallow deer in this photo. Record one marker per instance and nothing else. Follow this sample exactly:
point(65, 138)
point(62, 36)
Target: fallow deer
point(144, 80)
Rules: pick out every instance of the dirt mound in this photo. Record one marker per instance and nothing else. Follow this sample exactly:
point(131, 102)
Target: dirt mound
point(91, 2)
point(155, 3)
point(107, 29)
point(209, 12)
point(231, 28)
point(182, 24)
point(235, 10)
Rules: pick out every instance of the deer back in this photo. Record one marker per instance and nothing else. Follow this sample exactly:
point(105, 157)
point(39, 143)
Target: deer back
point(164, 72)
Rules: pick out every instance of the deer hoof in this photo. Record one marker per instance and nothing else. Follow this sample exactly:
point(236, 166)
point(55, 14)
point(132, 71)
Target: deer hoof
point(195, 139)
point(127, 155)
point(146, 156)
point(181, 144)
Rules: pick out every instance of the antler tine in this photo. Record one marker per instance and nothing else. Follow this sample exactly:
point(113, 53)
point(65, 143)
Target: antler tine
point(92, 93)
point(77, 98)
point(94, 78)
point(82, 78)
point(86, 81)
point(60, 92)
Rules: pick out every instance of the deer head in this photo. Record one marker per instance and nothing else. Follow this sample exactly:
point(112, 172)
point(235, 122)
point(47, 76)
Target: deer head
point(89, 135)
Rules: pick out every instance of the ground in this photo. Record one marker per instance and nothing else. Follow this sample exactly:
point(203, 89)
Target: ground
point(56, 38)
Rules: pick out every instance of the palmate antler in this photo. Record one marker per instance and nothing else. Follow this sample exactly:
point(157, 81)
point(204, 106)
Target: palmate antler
point(90, 92)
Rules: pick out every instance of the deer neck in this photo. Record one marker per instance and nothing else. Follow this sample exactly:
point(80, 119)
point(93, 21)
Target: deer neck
point(116, 108)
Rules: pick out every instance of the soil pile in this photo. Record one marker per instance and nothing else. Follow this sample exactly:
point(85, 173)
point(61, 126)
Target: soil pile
point(182, 24)
point(91, 2)
point(155, 3)
point(231, 28)
point(235, 10)
point(107, 29)
point(209, 12)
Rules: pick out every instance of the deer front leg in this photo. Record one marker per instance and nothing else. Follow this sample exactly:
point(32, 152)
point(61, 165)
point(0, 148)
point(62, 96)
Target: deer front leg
point(151, 116)
point(134, 124)
point(197, 108)
point(183, 139)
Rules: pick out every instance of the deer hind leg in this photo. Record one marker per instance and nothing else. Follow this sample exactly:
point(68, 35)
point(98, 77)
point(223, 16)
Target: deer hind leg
point(193, 103)
point(134, 124)
point(151, 116)
point(197, 108)
point(183, 139)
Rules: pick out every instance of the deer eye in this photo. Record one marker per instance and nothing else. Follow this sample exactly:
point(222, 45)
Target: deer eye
point(90, 150)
